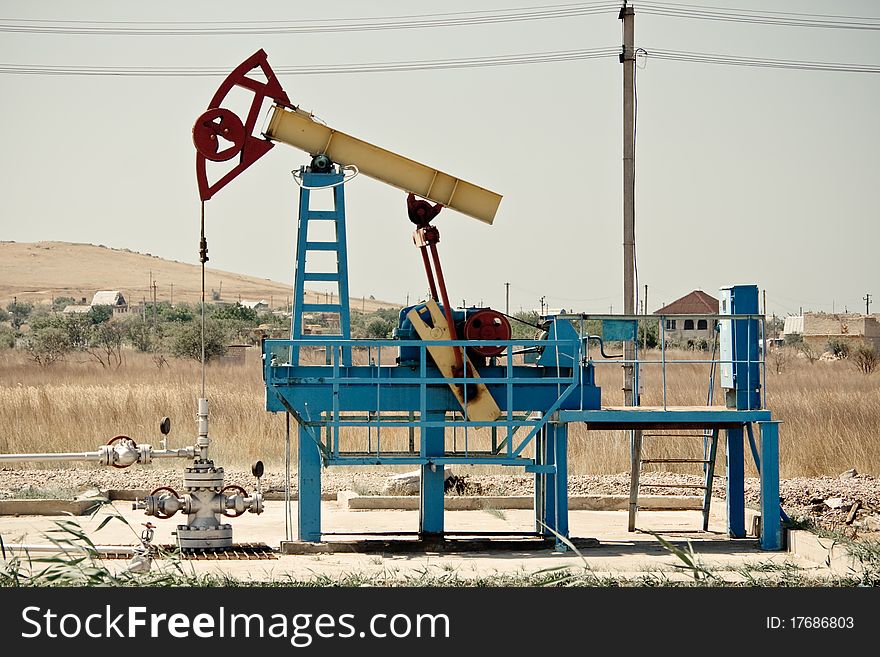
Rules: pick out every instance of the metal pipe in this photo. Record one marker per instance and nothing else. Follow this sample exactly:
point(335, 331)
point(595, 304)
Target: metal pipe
point(60, 456)
point(182, 453)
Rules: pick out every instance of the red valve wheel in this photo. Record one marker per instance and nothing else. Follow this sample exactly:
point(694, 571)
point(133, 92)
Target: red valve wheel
point(115, 440)
point(487, 324)
point(233, 487)
point(158, 513)
point(214, 126)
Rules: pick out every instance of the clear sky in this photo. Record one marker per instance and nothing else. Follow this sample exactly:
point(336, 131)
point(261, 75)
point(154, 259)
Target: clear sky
point(744, 174)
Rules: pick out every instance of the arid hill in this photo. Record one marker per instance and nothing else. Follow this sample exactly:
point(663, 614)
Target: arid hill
point(41, 271)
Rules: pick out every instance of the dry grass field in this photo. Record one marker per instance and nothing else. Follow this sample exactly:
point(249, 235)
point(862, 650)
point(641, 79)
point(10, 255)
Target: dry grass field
point(831, 412)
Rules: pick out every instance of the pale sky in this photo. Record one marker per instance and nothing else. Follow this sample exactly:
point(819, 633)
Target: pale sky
point(744, 174)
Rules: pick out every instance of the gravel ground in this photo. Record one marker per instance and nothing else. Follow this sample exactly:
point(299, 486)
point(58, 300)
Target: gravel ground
point(828, 501)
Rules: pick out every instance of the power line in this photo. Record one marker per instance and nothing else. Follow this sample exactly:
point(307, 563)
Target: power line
point(439, 64)
point(736, 60)
point(323, 69)
point(307, 26)
point(825, 21)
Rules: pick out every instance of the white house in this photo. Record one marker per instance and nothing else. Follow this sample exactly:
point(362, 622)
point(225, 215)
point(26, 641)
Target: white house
point(113, 298)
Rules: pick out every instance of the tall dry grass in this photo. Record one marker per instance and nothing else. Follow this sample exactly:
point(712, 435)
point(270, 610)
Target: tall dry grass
point(830, 412)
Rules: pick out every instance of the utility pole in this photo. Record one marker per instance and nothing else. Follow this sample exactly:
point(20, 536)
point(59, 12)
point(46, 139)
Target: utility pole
point(630, 396)
point(628, 59)
point(153, 285)
point(867, 300)
point(507, 298)
point(542, 305)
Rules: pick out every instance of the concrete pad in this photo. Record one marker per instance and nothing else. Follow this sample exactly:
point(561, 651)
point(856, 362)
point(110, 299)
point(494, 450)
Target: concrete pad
point(618, 554)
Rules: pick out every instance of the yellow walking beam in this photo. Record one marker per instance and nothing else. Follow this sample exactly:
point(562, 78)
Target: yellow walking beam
point(297, 128)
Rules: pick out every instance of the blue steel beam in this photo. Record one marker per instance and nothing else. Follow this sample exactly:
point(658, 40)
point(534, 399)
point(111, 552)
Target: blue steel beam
point(771, 515)
point(736, 496)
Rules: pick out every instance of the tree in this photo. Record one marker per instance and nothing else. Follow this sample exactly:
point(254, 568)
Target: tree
point(526, 328)
point(7, 337)
point(179, 313)
point(105, 344)
point(60, 303)
point(379, 328)
point(20, 311)
point(648, 333)
point(236, 312)
point(100, 314)
point(186, 341)
point(140, 335)
point(47, 345)
point(78, 328)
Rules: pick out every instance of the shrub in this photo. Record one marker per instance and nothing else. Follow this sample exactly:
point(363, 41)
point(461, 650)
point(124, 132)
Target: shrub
point(7, 337)
point(47, 345)
point(186, 341)
point(19, 312)
point(100, 314)
point(866, 358)
point(840, 348)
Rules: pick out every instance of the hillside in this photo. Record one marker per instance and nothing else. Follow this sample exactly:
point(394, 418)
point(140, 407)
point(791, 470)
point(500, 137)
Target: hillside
point(40, 271)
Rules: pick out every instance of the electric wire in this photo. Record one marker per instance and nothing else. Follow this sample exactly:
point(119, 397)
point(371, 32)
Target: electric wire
point(739, 60)
point(305, 26)
point(790, 19)
point(441, 64)
point(322, 69)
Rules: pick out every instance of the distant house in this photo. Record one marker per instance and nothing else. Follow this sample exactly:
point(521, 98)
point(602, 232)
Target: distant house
point(75, 310)
point(255, 305)
point(113, 298)
point(682, 322)
point(793, 325)
point(818, 329)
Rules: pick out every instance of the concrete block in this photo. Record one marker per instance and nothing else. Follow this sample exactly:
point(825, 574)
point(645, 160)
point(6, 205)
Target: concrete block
point(48, 507)
point(824, 552)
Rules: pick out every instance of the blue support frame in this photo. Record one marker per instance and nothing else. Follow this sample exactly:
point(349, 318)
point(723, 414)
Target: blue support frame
point(771, 513)
point(433, 480)
point(735, 494)
point(309, 482)
point(536, 401)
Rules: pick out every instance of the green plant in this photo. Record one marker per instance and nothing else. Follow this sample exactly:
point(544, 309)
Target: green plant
point(105, 344)
point(839, 348)
point(688, 558)
point(60, 303)
point(7, 337)
point(19, 312)
point(48, 345)
point(186, 341)
point(236, 312)
point(100, 314)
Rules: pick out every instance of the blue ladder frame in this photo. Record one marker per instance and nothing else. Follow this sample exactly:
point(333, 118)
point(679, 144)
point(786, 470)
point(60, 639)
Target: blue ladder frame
point(335, 182)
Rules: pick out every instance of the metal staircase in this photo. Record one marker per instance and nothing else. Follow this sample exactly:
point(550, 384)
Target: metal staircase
point(710, 451)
